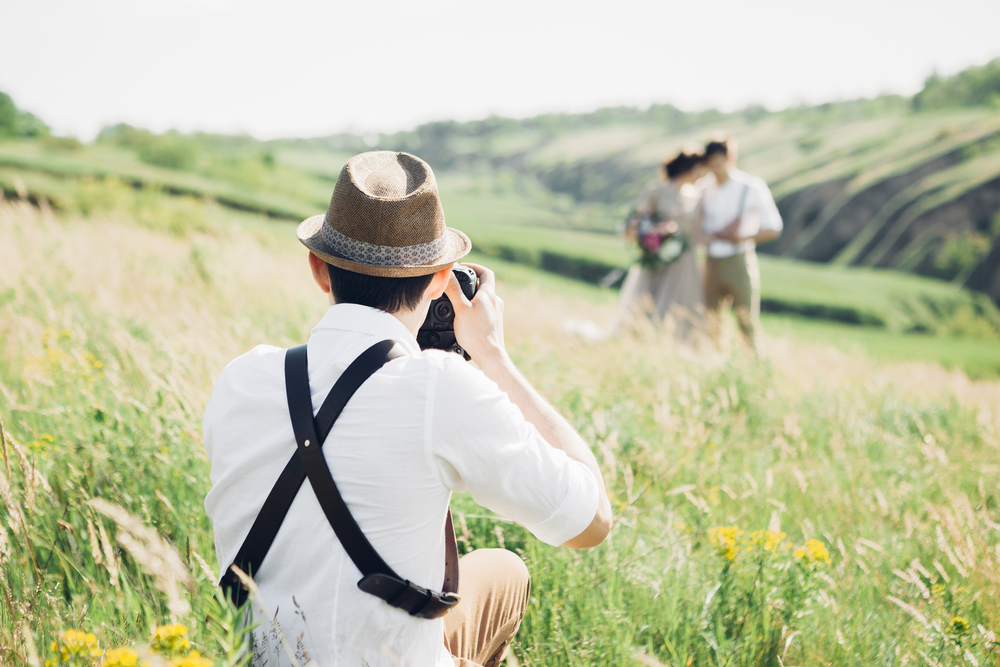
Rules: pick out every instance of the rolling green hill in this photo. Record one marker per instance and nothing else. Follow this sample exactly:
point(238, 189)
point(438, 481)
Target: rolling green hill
point(894, 183)
point(863, 186)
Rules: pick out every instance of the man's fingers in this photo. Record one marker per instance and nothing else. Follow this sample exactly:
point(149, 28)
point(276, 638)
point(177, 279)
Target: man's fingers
point(455, 293)
point(487, 279)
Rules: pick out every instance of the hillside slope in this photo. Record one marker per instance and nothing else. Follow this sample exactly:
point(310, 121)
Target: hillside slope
point(869, 183)
point(909, 184)
point(906, 184)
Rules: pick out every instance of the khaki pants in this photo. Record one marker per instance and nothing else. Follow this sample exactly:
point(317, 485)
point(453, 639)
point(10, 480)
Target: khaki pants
point(494, 586)
point(736, 277)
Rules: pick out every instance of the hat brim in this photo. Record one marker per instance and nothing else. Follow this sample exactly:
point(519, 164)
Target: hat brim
point(309, 233)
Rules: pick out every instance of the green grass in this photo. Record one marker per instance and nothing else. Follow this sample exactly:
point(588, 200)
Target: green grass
point(892, 300)
point(977, 358)
point(522, 276)
point(513, 219)
point(109, 355)
point(517, 228)
point(291, 196)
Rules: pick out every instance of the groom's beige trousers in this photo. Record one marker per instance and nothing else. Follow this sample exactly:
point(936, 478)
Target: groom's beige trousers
point(738, 278)
point(494, 586)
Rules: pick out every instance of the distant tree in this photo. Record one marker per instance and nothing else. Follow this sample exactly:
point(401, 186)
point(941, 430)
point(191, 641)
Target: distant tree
point(170, 150)
point(17, 123)
point(975, 86)
point(753, 113)
point(124, 135)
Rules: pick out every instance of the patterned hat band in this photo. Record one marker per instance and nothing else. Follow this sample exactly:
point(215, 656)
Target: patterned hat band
point(383, 255)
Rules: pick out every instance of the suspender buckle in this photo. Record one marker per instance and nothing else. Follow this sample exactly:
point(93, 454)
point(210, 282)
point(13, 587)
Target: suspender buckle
point(412, 598)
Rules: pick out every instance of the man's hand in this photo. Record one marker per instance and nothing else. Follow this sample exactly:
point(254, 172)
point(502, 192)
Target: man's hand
point(729, 233)
point(479, 323)
point(765, 236)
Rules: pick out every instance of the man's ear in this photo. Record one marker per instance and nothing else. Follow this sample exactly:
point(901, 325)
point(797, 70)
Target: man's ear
point(438, 283)
point(320, 273)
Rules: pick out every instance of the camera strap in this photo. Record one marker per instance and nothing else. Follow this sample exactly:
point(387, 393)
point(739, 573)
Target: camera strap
point(378, 579)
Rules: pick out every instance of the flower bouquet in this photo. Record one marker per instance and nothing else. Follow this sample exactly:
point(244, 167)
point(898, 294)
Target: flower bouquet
point(660, 242)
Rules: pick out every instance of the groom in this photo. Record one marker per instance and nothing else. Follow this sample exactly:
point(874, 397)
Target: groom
point(739, 213)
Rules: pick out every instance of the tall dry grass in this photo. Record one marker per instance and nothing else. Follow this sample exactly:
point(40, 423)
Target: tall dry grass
point(807, 508)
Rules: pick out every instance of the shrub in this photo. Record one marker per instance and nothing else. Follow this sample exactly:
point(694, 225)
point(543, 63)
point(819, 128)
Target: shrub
point(960, 254)
point(169, 150)
point(62, 143)
point(17, 123)
point(975, 86)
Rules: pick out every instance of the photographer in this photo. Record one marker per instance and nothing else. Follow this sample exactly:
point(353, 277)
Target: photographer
point(419, 426)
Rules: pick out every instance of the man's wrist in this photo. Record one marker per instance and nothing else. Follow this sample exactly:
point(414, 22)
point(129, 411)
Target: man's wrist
point(493, 361)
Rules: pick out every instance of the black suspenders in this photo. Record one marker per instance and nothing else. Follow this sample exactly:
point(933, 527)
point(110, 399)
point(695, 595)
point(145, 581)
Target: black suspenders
point(378, 579)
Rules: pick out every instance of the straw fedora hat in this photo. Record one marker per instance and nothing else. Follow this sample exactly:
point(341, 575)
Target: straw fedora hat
point(385, 219)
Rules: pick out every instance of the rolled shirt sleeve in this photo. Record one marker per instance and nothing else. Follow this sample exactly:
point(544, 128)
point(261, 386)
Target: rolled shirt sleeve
point(478, 441)
point(767, 210)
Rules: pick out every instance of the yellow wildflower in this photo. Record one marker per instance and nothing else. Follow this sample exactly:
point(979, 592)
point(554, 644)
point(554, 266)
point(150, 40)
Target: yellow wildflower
point(73, 648)
point(192, 659)
point(170, 640)
point(726, 540)
point(93, 361)
point(767, 540)
point(959, 626)
point(818, 553)
point(39, 444)
point(122, 656)
point(813, 551)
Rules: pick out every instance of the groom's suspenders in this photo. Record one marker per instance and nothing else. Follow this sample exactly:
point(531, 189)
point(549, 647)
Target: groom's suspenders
point(378, 578)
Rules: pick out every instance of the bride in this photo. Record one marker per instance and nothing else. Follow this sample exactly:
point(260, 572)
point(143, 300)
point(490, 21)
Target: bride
point(666, 285)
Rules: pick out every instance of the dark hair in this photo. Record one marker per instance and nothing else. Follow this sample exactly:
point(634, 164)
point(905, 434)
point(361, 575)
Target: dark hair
point(388, 294)
point(718, 145)
point(683, 162)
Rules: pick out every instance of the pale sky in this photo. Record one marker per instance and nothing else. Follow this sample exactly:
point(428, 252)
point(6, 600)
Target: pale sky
point(300, 69)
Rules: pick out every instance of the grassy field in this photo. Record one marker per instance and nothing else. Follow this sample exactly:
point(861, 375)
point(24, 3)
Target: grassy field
point(515, 218)
point(978, 356)
point(508, 221)
point(975, 357)
point(815, 507)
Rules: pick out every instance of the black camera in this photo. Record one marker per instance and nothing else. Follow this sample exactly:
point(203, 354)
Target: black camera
point(438, 330)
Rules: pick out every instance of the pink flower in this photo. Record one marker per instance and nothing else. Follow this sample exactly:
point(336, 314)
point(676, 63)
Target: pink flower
point(651, 242)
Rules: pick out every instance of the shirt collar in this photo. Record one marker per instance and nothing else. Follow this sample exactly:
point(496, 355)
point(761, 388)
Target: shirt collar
point(737, 176)
point(365, 320)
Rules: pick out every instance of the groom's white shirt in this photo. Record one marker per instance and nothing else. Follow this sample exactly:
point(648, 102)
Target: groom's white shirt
point(722, 206)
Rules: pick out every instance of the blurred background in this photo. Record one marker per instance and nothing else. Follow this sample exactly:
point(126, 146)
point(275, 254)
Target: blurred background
point(877, 129)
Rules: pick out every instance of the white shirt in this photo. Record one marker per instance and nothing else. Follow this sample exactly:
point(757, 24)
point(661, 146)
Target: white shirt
point(424, 425)
point(722, 206)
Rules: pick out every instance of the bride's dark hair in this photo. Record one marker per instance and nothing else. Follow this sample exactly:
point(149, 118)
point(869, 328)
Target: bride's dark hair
point(682, 162)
